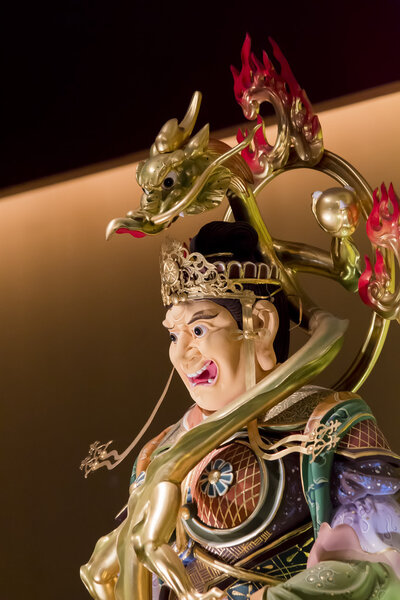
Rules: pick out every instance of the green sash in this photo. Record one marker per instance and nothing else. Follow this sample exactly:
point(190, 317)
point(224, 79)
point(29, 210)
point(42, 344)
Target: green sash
point(316, 475)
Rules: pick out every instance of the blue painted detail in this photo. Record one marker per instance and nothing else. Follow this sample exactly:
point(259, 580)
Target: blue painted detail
point(187, 555)
point(140, 479)
point(223, 482)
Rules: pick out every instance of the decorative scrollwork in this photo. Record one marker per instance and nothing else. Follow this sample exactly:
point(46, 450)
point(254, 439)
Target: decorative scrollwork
point(97, 454)
point(322, 439)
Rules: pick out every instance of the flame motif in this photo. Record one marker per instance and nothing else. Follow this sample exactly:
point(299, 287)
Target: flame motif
point(383, 226)
point(255, 158)
point(383, 230)
point(255, 73)
point(258, 82)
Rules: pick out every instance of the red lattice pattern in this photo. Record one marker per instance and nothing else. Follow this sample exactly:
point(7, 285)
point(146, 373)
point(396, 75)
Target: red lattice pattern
point(232, 509)
point(365, 434)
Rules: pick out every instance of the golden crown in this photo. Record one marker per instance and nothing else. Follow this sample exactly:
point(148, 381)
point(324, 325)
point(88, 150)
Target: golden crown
point(186, 276)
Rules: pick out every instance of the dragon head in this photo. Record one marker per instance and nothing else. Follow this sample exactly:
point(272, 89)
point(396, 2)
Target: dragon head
point(183, 175)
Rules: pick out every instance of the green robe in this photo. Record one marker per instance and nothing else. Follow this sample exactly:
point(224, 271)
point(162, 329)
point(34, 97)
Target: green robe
point(335, 580)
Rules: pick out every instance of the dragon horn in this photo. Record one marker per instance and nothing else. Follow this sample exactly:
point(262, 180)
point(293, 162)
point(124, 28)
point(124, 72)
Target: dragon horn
point(172, 135)
point(201, 181)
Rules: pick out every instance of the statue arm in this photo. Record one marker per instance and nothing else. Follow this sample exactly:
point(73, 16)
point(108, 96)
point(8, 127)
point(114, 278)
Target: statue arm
point(100, 574)
point(149, 545)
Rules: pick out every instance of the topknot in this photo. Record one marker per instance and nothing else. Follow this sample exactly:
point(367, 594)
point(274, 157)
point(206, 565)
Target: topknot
point(239, 238)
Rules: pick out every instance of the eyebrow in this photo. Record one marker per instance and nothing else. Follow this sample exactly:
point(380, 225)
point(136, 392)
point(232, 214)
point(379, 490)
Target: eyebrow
point(202, 314)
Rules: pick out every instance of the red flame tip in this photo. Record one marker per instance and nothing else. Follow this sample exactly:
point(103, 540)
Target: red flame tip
point(364, 280)
point(383, 227)
point(383, 230)
point(259, 138)
point(239, 136)
point(252, 157)
point(384, 194)
point(380, 267)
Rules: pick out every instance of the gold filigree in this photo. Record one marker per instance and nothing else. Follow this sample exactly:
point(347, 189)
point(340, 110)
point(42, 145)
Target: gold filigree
point(186, 276)
point(322, 439)
point(97, 453)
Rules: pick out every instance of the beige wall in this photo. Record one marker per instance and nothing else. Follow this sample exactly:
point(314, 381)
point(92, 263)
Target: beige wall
point(84, 357)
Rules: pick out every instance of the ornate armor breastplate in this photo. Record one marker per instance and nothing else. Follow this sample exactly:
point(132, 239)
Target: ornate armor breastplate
point(246, 511)
point(233, 495)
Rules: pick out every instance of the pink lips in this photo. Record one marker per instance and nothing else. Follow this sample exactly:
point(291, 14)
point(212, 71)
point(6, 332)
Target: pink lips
point(204, 376)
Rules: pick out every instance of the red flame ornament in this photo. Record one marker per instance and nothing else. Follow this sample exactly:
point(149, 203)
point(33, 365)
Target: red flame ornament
point(298, 126)
point(383, 230)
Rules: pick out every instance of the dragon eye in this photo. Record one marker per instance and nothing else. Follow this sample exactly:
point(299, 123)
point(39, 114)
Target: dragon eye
point(170, 180)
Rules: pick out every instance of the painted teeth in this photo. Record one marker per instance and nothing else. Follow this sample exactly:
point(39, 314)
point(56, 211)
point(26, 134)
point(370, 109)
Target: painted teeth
point(200, 370)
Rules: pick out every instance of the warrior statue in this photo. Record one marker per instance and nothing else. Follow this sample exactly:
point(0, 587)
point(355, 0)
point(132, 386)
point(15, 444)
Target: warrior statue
point(269, 486)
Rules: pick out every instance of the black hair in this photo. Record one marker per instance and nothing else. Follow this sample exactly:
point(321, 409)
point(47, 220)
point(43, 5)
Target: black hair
point(241, 240)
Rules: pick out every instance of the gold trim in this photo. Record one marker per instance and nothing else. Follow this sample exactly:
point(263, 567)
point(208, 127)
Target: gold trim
point(213, 254)
point(286, 426)
point(241, 572)
point(370, 452)
point(281, 540)
point(349, 424)
point(334, 400)
point(233, 571)
point(258, 281)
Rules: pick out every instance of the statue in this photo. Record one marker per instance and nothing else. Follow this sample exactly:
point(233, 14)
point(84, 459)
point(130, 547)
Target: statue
point(269, 487)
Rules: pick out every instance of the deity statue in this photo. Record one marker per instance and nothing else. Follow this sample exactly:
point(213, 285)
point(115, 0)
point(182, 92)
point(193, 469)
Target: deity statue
point(269, 486)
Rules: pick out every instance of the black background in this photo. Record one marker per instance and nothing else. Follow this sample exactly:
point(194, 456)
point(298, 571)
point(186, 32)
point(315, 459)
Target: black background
point(84, 82)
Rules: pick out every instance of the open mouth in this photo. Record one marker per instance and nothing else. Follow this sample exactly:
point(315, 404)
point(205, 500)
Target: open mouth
point(207, 375)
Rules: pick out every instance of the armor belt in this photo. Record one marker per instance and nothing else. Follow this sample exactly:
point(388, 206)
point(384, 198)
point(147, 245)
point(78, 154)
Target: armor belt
point(273, 563)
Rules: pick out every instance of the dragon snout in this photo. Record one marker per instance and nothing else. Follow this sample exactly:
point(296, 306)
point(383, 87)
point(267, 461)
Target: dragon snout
point(150, 202)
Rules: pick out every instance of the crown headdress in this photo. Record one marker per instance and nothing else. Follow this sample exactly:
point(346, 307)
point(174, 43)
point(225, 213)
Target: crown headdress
point(186, 276)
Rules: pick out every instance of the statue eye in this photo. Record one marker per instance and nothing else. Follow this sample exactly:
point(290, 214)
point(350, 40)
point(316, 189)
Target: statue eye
point(200, 330)
point(170, 180)
point(173, 337)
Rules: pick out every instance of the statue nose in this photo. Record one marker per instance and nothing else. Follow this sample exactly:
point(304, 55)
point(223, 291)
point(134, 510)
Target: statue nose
point(191, 352)
point(187, 347)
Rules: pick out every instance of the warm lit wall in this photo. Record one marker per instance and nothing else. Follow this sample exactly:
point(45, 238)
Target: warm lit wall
point(84, 357)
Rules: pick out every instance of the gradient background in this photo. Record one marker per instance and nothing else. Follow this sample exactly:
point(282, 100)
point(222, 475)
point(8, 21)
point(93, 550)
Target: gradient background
point(84, 356)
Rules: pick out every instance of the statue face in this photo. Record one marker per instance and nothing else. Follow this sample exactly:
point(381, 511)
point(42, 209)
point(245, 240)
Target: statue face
point(207, 352)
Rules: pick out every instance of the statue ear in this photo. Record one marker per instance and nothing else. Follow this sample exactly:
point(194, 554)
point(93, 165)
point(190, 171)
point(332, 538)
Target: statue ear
point(266, 321)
